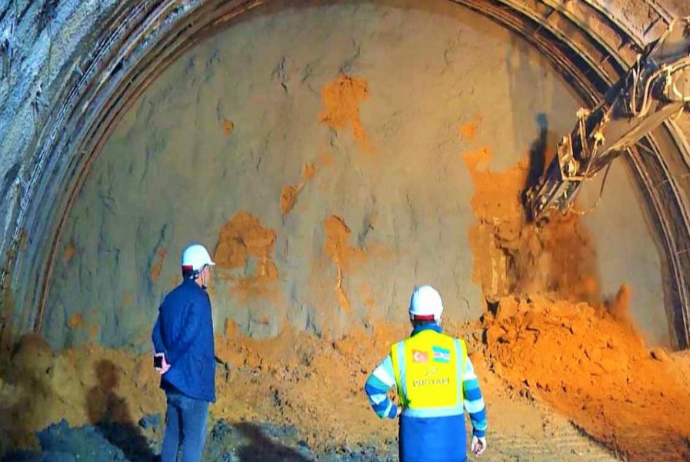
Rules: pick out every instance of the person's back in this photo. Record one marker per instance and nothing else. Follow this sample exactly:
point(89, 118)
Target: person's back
point(186, 330)
point(436, 383)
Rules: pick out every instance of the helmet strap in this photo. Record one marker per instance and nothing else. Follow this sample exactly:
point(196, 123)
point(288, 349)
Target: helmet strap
point(198, 275)
point(188, 272)
point(423, 317)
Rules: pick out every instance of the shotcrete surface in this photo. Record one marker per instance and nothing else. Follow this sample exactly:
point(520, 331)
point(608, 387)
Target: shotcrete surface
point(328, 176)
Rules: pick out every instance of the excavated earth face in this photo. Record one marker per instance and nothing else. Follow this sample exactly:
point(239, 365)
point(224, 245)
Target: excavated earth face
point(350, 162)
point(330, 177)
point(554, 339)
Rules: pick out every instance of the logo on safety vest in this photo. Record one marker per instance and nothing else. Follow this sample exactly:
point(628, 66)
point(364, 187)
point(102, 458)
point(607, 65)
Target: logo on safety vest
point(432, 370)
point(431, 382)
point(441, 355)
point(420, 356)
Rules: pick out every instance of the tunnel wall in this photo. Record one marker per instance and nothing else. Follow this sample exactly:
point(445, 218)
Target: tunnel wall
point(43, 44)
point(52, 42)
point(382, 195)
point(46, 46)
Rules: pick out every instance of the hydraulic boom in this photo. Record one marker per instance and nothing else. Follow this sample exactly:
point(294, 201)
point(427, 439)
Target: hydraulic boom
point(655, 89)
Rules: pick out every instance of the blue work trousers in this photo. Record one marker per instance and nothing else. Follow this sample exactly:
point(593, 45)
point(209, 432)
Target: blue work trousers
point(185, 428)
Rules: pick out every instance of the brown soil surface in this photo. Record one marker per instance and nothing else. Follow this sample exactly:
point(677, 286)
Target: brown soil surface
point(587, 363)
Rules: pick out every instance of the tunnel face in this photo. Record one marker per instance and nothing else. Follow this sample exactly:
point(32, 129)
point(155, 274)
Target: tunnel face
point(320, 153)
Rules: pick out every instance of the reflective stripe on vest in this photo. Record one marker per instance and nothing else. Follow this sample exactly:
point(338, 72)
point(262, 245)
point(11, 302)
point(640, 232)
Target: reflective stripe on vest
point(428, 371)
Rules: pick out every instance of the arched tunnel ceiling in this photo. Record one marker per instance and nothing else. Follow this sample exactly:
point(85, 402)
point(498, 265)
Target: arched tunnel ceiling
point(71, 69)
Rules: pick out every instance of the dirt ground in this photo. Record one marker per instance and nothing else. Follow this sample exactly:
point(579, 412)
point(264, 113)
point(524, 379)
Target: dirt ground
point(586, 364)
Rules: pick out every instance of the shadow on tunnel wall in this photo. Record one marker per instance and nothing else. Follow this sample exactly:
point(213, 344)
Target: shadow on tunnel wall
point(110, 414)
point(537, 158)
point(25, 366)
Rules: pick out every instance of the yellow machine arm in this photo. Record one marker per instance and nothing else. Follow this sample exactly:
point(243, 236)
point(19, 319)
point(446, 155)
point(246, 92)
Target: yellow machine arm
point(655, 89)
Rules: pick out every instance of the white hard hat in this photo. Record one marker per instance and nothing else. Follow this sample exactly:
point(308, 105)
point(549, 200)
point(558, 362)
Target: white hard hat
point(195, 257)
point(425, 304)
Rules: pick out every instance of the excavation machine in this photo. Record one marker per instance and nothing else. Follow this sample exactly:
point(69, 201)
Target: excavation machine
point(656, 88)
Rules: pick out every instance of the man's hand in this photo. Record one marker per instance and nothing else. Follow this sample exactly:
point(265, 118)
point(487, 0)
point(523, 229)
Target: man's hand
point(478, 445)
point(164, 364)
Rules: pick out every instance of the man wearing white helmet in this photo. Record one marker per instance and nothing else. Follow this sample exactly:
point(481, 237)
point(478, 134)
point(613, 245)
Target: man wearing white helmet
point(185, 358)
point(436, 383)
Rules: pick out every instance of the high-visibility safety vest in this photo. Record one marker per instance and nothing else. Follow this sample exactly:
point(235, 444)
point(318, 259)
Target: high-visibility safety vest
point(428, 371)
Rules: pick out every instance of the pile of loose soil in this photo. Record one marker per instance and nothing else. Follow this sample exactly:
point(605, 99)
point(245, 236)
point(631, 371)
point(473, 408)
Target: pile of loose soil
point(590, 364)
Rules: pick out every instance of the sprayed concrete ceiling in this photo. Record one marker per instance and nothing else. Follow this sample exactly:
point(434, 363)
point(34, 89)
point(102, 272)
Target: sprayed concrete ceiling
point(70, 69)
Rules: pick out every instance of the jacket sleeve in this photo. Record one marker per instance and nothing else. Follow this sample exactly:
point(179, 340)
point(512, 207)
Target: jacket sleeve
point(157, 338)
point(377, 386)
point(473, 400)
point(191, 328)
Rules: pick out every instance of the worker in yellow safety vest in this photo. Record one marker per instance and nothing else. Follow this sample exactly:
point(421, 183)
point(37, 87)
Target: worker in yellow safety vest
point(436, 383)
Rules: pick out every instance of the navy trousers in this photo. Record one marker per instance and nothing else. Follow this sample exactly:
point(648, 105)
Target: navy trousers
point(185, 428)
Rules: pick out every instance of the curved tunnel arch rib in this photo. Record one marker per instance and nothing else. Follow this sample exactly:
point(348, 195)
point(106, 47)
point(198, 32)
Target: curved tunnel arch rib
point(588, 43)
point(667, 215)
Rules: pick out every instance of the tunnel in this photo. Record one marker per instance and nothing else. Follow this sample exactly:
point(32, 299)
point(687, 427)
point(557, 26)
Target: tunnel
point(332, 155)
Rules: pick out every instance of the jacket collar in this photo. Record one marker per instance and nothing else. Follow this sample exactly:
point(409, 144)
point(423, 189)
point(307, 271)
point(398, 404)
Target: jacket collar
point(434, 327)
point(192, 283)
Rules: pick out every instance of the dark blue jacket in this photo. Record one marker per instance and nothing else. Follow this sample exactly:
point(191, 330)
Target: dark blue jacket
point(184, 332)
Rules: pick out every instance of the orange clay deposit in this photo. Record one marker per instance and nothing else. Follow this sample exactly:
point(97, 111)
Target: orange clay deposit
point(157, 264)
point(326, 160)
point(70, 251)
point(290, 193)
point(295, 378)
point(228, 127)
point(341, 100)
point(343, 255)
point(587, 363)
point(76, 321)
point(242, 239)
point(512, 256)
point(469, 130)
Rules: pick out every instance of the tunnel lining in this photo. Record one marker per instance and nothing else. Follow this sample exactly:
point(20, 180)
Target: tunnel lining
point(120, 69)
